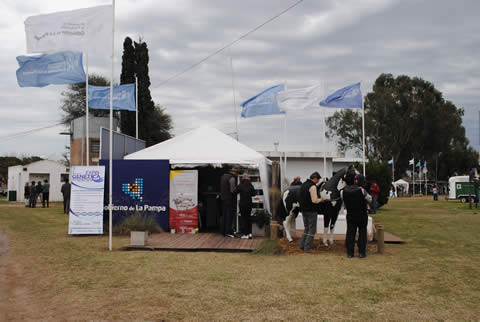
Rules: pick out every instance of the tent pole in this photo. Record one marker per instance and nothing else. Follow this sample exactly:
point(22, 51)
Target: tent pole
point(110, 161)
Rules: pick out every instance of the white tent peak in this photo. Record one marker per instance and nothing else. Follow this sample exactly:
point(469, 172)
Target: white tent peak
point(204, 145)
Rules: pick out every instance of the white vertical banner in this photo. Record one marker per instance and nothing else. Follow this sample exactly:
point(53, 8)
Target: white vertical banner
point(86, 200)
point(183, 216)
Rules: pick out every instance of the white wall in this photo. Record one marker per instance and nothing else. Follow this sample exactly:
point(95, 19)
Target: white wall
point(40, 169)
point(305, 167)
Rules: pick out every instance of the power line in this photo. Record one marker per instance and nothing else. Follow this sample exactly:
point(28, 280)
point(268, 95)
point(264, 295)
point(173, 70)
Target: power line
point(228, 45)
point(28, 132)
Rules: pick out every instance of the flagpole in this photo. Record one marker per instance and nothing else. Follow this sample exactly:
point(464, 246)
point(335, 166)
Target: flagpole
point(393, 170)
point(110, 161)
point(86, 111)
point(363, 137)
point(233, 92)
point(285, 143)
point(323, 137)
point(413, 176)
point(136, 107)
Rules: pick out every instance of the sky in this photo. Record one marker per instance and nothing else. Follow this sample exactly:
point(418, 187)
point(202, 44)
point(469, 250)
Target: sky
point(333, 43)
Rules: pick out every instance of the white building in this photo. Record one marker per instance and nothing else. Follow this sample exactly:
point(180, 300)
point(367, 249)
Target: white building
point(303, 164)
point(54, 172)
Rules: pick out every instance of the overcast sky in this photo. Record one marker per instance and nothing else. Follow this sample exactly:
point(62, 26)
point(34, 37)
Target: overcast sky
point(335, 43)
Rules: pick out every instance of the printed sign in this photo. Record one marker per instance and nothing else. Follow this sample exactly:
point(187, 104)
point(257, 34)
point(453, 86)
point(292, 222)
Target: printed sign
point(139, 186)
point(184, 200)
point(86, 200)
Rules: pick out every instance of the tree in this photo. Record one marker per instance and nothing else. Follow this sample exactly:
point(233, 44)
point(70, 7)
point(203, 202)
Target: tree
point(407, 118)
point(154, 123)
point(127, 118)
point(74, 99)
point(381, 172)
point(6, 162)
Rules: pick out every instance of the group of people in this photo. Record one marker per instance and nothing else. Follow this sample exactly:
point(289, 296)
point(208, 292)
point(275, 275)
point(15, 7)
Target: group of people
point(228, 194)
point(37, 191)
point(355, 199)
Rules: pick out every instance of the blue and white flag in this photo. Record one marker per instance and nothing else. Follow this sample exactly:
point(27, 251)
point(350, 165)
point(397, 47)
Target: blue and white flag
point(123, 97)
point(64, 67)
point(347, 97)
point(390, 161)
point(264, 103)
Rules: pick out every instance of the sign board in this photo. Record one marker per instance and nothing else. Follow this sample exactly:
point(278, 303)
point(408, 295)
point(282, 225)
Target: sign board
point(183, 200)
point(139, 186)
point(86, 200)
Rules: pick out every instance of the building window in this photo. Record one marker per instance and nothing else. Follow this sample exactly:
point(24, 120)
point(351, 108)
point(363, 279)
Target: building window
point(95, 146)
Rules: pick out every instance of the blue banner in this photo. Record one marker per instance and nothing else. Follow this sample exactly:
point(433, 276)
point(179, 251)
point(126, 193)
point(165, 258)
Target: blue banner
point(64, 67)
point(123, 97)
point(139, 185)
point(264, 103)
point(347, 97)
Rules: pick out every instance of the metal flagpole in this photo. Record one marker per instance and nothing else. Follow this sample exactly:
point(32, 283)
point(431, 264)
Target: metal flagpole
point(413, 176)
point(136, 107)
point(110, 161)
point(285, 148)
point(233, 92)
point(323, 143)
point(86, 112)
point(393, 170)
point(363, 136)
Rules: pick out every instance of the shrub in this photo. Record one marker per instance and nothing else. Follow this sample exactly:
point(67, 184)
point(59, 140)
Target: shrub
point(137, 222)
point(261, 217)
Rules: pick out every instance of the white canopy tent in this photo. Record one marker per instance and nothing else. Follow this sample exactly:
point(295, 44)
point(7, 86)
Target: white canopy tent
point(403, 183)
point(207, 146)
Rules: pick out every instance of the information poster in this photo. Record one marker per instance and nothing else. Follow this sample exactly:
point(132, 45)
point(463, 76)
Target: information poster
point(86, 200)
point(183, 200)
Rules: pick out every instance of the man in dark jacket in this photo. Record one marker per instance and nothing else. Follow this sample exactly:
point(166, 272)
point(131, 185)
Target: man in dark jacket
point(26, 194)
point(39, 190)
point(246, 191)
point(309, 207)
point(66, 196)
point(228, 185)
point(33, 195)
point(355, 199)
point(45, 193)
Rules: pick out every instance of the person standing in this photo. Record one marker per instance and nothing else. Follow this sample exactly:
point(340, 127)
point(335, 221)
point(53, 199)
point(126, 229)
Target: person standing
point(246, 191)
point(435, 193)
point(33, 195)
point(39, 190)
point(355, 200)
point(374, 192)
point(45, 193)
point(66, 196)
point(296, 182)
point(309, 207)
point(26, 194)
point(228, 196)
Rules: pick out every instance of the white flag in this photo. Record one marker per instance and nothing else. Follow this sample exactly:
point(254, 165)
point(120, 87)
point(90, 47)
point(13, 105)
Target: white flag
point(300, 98)
point(70, 30)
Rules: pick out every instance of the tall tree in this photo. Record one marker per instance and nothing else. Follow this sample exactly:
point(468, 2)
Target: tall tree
point(127, 118)
point(74, 99)
point(404, 118)
point(6, 162)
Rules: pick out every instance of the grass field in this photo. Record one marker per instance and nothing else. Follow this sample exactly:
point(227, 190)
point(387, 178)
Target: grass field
point(435, 275)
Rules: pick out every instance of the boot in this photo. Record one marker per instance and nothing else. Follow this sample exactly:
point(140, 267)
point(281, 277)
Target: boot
point(325, 232)
point(332, 229)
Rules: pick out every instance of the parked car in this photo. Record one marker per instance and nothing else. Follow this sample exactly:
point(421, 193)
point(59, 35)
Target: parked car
point(3, 192)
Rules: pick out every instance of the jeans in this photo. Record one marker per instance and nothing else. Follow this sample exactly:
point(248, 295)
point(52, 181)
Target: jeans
point(45, 196)
point(310, 223)
point(66, 205)
point(435, 196)
point(245, 223)
point(352, 226)
point(228, 213)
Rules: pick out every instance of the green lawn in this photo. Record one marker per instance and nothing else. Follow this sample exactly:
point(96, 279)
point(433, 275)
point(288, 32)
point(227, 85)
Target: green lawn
point(433, 276)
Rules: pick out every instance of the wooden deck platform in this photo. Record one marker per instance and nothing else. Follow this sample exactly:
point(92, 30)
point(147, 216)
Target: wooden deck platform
point(202, 242)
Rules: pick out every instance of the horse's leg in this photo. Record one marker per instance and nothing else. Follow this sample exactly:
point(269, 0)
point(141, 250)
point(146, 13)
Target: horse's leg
point(287, 224)
point(335, 209)
point(326, 222)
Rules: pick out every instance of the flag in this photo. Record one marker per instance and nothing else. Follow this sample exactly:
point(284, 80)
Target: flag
point(347, 97)
point(418, 164)
point(123, 97)
point(300, 98)
point(60, 68)
point(70, 30)
point(425, 163)
point(264, 103)
point(390, 161)
point(410, 162)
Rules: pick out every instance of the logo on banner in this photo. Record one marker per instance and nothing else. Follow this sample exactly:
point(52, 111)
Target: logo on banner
point(134, 190)
point(89, 175)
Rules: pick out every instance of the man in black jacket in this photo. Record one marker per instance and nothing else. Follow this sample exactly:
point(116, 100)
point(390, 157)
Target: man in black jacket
point(355, 199)
point(309, 205)
point(66, 187)
point(228, 186)
point(33, 195)
point(246, 191)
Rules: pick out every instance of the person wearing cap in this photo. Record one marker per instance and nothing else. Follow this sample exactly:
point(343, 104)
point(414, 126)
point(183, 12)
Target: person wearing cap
point(355, 199)
point(246, 191)
point(228, 196)
point(309, 201)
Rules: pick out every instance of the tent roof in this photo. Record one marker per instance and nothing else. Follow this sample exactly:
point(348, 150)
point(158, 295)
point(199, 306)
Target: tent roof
point(204, 145)
point(401, 181)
